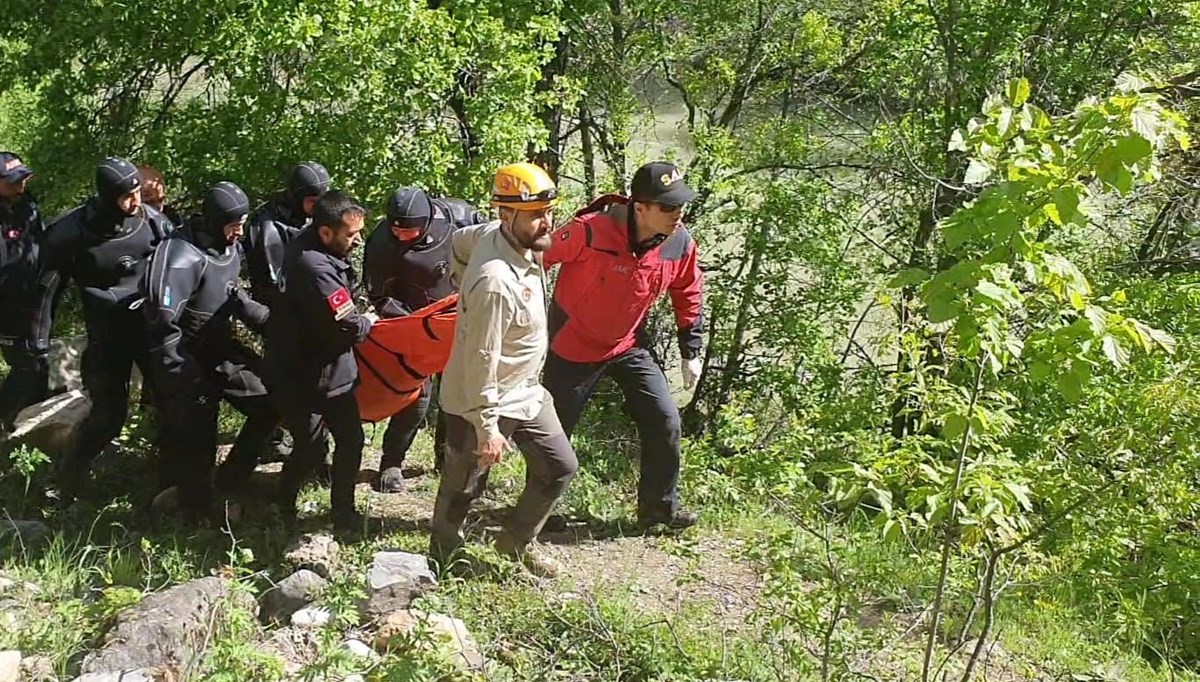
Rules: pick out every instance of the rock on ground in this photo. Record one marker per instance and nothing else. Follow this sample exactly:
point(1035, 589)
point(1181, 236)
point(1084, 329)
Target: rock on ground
point(138, 675)
point(360, 649)
point(31, 534)
point(395, 579)
point(291, 594)
point(317, 552)
point(311, 617)
point(166, 630)
point(51, 424)
point(398, 628)
point(38, 669)
point(10, 666)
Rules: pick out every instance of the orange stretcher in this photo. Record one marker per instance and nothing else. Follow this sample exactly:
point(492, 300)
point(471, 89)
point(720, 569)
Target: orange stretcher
point(399, 354)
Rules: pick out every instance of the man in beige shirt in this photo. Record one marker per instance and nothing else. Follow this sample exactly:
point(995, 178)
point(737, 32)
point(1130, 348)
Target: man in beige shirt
point(490, 388)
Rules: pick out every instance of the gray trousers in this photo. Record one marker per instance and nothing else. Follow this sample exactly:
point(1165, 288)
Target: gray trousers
point(550, 463)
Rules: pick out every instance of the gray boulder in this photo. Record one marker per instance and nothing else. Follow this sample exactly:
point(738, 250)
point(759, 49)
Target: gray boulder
point(166, 630)
point(51, 424)
point(291, 594)
point(318, 552)
point(394, 580)
point(30, 534)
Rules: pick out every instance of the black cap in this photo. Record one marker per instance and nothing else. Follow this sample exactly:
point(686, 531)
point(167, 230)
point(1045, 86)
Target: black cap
point(410, 207)
point(661, 183)
point(224, 203)
point(116, 177)
point(12, 169)
point(308, 179)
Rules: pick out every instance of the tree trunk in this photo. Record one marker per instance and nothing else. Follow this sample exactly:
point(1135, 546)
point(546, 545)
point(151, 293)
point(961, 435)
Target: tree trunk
point(589, 153)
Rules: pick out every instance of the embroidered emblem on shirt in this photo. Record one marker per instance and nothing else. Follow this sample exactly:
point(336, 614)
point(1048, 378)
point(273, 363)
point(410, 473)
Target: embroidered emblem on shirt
point(526, 294)
point(564, 235)
point(340, 303)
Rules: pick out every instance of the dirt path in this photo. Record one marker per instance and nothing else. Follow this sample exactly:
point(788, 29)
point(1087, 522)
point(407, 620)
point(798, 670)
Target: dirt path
point(667, 575)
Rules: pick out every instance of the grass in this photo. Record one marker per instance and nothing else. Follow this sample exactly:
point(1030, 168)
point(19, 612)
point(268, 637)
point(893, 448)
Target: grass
point(107, 554)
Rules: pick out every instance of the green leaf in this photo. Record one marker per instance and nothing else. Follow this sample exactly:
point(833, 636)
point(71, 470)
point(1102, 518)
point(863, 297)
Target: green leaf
point(1039, 371)
point(908, 277)
point(1114, 351)
point(1097, 318)
point(1145, 123)
point(977, 172)
point(957, 142)
point(992, 291)
point(1066, 202)
point(892, 530)
point(942, 309)
point(955, 425)
point(1071, 386)
point(1018, 91)
point(1158, 336)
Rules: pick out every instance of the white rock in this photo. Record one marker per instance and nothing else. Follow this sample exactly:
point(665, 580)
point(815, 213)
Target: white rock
point(360, 649)
point(140, 675)
point(312, 617)
point(10, 666)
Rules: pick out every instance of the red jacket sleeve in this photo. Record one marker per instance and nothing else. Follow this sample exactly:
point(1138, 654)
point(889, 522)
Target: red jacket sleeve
point(568, 244)
point(687, 298)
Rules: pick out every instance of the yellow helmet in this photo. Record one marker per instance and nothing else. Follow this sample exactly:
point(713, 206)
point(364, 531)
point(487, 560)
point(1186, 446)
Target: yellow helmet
point(523, 186)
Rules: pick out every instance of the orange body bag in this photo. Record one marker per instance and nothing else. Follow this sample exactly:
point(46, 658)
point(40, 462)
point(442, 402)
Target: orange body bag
point(399, 354)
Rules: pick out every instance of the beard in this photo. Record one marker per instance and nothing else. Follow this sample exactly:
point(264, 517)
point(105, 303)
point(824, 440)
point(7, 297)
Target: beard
point(537, 243)
point(541, 243)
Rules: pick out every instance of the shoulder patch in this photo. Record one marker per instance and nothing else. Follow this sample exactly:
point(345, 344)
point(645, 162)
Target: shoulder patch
point(340, 303)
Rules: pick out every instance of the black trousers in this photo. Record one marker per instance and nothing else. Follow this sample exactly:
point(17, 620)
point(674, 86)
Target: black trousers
point(27, 380)
point(402, 430)
point(114, 345)
point(654, 412)
point(308, 421)
point(188, 438)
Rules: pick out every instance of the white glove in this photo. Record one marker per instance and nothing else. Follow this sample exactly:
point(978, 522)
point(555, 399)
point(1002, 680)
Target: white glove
point(691, 371)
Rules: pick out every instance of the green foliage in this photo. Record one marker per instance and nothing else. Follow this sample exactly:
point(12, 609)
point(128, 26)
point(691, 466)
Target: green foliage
point(242, 91)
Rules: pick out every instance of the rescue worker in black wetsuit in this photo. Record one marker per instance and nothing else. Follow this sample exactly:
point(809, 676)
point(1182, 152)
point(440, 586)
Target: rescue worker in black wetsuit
point(407, 266)
point(103, 246)
point(24, 343)
point(192, 294)
point(271, 227)
point(310, 339)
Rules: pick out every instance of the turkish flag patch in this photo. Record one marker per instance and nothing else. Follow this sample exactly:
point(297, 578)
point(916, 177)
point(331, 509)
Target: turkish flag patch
point(340, 303)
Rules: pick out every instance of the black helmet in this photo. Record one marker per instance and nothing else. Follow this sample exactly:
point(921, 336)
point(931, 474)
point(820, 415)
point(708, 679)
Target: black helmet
point(116, 177)
point(224, 203)
point(309, 179)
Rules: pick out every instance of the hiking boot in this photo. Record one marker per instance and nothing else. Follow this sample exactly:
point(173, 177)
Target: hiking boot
point(527, 556)
point(391, 480)
point(678, 521)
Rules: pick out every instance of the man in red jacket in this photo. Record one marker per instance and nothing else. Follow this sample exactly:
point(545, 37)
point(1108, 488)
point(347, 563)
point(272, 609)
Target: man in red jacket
point(619, 255)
